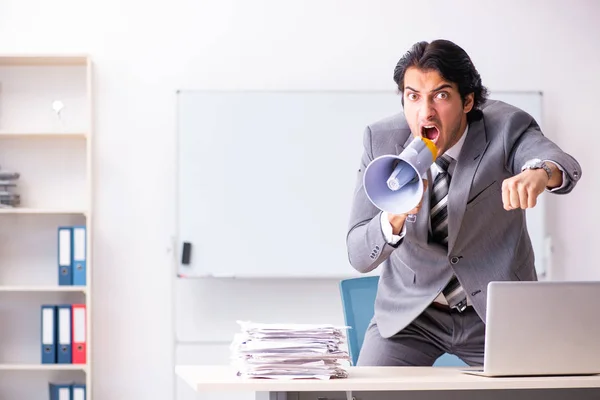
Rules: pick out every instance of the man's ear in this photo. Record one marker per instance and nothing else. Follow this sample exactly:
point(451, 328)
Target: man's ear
point(468, 103)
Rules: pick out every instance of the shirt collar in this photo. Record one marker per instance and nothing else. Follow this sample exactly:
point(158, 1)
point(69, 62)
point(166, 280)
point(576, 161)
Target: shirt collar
point(454, 151)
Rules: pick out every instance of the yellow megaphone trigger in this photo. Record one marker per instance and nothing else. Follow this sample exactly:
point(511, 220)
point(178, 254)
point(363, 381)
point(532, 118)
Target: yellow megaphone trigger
point(432, 147)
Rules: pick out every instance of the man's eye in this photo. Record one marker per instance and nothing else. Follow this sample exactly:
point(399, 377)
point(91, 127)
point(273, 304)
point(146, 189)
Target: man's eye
point(442, 95)
point(412, 96)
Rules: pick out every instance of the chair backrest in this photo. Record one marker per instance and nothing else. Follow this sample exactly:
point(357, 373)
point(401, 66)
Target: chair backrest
point(358, 302)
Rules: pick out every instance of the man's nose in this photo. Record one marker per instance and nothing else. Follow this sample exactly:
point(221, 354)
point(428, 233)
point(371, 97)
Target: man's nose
point(427, 110)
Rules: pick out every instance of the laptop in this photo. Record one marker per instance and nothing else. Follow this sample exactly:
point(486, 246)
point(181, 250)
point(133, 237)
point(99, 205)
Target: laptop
point(541, 328)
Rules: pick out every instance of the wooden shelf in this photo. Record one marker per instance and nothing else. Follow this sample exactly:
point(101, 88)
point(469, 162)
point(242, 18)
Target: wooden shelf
point(42, 135)
point(57, 289)
point(49, 211)
point(42, 60)
point(43, 367)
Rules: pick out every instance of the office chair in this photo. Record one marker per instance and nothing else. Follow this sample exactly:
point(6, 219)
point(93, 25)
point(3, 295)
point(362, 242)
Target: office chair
point(358, 301)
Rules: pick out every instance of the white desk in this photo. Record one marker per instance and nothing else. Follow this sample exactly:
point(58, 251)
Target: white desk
point(382, 379)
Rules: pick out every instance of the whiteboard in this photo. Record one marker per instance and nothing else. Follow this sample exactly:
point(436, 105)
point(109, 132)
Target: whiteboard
point(265, 179)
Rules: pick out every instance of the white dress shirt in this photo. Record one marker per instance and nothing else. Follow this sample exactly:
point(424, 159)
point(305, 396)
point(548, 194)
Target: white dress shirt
point(386, 226)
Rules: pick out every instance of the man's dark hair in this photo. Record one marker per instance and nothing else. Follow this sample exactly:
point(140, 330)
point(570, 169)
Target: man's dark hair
point(452, 63)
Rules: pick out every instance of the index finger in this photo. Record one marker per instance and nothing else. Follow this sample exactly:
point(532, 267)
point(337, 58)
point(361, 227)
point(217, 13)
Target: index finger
point(506, 196)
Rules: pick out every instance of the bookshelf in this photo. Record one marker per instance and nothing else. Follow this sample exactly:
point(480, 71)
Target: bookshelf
point(46, 132)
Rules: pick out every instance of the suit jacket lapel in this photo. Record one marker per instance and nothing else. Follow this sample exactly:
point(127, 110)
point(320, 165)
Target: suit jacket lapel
point(462, 178)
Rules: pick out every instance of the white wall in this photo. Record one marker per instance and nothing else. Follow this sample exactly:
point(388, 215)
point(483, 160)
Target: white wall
point(144, 52)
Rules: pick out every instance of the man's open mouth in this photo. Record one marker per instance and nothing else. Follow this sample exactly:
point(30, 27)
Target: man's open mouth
point(430, 132)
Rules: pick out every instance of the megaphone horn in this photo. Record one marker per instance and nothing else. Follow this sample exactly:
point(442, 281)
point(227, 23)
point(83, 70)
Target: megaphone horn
point(394, 183)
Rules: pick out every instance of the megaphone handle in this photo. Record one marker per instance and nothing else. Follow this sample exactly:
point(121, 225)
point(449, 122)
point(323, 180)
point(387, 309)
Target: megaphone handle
point(411, 218)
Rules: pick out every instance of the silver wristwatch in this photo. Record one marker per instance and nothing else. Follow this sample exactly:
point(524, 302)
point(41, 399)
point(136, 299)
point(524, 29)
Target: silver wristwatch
point(536, 163)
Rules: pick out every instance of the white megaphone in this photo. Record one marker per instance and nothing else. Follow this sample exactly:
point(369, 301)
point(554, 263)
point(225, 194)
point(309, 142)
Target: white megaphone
point(395, 183)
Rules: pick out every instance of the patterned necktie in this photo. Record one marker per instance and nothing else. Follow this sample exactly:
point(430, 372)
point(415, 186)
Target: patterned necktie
point(454, 293)
point(439, 201)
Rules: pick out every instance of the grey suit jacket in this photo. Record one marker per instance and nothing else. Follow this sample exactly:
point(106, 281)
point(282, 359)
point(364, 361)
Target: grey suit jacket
point(485, 242)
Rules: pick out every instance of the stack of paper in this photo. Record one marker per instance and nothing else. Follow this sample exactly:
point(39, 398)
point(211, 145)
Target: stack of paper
point(8, 198)
point(290, 351)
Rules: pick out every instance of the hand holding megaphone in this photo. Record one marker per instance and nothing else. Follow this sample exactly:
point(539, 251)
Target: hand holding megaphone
point(396, 183)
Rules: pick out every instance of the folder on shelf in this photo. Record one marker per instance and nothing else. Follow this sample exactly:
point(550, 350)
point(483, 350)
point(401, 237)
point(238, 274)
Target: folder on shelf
point(48, 338)
point(60, 391)
point(66, 391)
point(79, 255)
point(65, 255)
point(79, 334)
point(78, 391)
point(63, 355)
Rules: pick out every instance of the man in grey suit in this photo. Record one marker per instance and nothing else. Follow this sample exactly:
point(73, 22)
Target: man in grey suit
point(469, 229)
